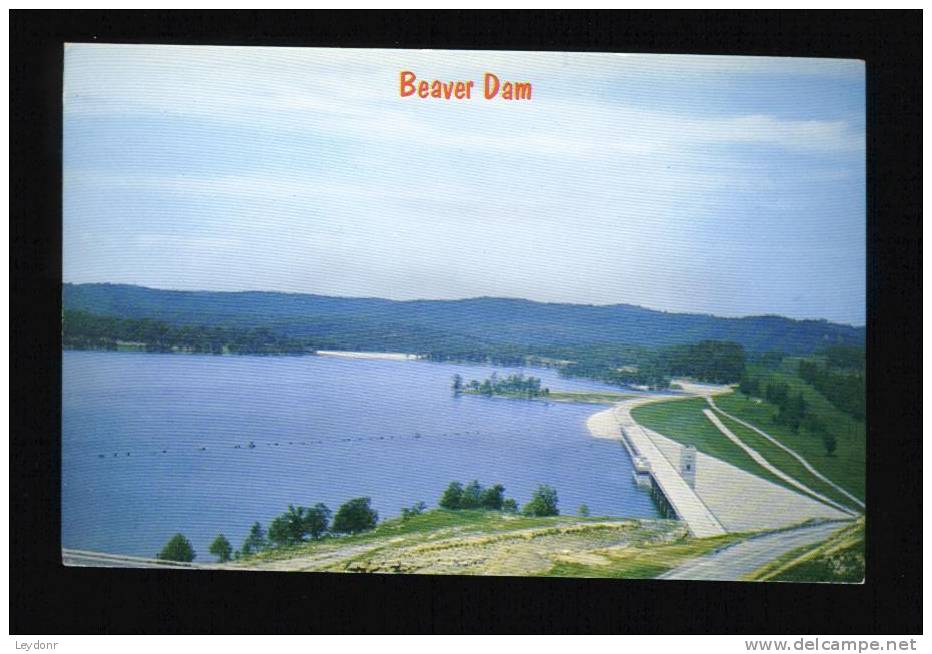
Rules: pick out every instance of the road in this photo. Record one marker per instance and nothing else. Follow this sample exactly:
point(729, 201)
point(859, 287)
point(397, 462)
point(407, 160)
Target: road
point(83, 559)
point(736, 561)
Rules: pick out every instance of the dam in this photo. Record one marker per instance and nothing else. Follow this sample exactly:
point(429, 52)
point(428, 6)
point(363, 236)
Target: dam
point(674, 495)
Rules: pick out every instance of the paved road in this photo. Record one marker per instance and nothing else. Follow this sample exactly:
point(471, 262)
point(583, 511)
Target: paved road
point(84, 559)
point(735, 561)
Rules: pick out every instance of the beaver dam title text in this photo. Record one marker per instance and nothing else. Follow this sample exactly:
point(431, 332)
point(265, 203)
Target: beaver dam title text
point(492, 87)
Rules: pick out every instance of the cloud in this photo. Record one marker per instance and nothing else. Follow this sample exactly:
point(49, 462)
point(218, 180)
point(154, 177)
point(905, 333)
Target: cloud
point(303, 168)
point(341, 93)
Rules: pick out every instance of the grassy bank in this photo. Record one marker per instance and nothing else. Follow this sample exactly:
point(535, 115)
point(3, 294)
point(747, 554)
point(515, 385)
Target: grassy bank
point(489, 542)
point(839, 559)
point(684, 422)
point(787, 463)
point(846, 467)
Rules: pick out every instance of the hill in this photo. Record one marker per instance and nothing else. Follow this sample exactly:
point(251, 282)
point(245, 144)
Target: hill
point(489, 542)
point(424, 325)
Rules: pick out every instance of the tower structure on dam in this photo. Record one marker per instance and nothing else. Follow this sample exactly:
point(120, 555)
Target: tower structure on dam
point(688, 465)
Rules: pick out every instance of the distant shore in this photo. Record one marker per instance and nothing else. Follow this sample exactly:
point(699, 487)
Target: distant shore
point(577, 397)
point(390, 356)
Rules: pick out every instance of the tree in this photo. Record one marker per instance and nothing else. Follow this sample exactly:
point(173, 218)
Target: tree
point(792, 411)
point(354, 516)
point(830, 443)
point(279, 531)
point(316, 520)
point(457, 383)
point(510, 505)
point(299, 523)
point(748, 386)
point(178, 548)
point(256, 541)
point(416, 509)
point(221, 548)
point(813, 424)
point(583, 510)
point(452, 497)
point(493, 498)
point(720, 362)
point(777, 393)
point(543, 502)
point(472, 496)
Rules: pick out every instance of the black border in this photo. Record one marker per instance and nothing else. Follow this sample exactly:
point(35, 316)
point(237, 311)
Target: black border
point(47, 598)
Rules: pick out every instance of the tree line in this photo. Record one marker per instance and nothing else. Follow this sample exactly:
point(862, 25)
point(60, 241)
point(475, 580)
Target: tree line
point(616, 364)
point(296, 525)
point(719, 362)
point(457, 497)
point(87, 331)
point(516, 384)
point(304, 524)
point(646, 373)
point(792, 410)
point(844, 389)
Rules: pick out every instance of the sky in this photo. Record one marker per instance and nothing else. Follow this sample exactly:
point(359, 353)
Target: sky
point(726, 185)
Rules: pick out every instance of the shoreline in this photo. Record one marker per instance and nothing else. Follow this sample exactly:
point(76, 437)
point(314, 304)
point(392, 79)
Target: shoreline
point(563, 397)
point(385, 356)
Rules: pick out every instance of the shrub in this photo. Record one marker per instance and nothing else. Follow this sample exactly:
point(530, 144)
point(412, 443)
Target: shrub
point(472, 496)
point(543, 502)
point(452, 497)
point(354, 516)
point(493, 498)
point(416, 509)
point(299, 523)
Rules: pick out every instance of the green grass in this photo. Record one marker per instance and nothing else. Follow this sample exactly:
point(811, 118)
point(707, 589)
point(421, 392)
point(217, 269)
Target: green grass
point(489, 542)
point(131, 347)
point(474, 519)
point(586, 398)
point(838, 559)
point(846, 467)
point(786, 463)
point(684, 422)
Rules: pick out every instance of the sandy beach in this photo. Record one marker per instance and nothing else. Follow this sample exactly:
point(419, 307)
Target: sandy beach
point(389, 356)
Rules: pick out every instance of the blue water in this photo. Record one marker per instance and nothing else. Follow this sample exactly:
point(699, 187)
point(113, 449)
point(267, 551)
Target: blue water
point(149, 444)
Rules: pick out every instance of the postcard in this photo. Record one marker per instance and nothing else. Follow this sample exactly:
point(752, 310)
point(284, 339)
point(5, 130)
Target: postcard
point(464, 313)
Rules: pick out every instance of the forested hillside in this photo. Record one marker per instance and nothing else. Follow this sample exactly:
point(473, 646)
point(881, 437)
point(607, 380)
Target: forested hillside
point(454, 328)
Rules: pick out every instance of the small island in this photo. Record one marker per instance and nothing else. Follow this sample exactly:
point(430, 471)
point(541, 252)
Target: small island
point(528, 388)
point(513, 386)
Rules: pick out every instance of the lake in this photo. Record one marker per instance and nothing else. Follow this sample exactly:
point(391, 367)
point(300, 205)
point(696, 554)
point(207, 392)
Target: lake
point(154, 444)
